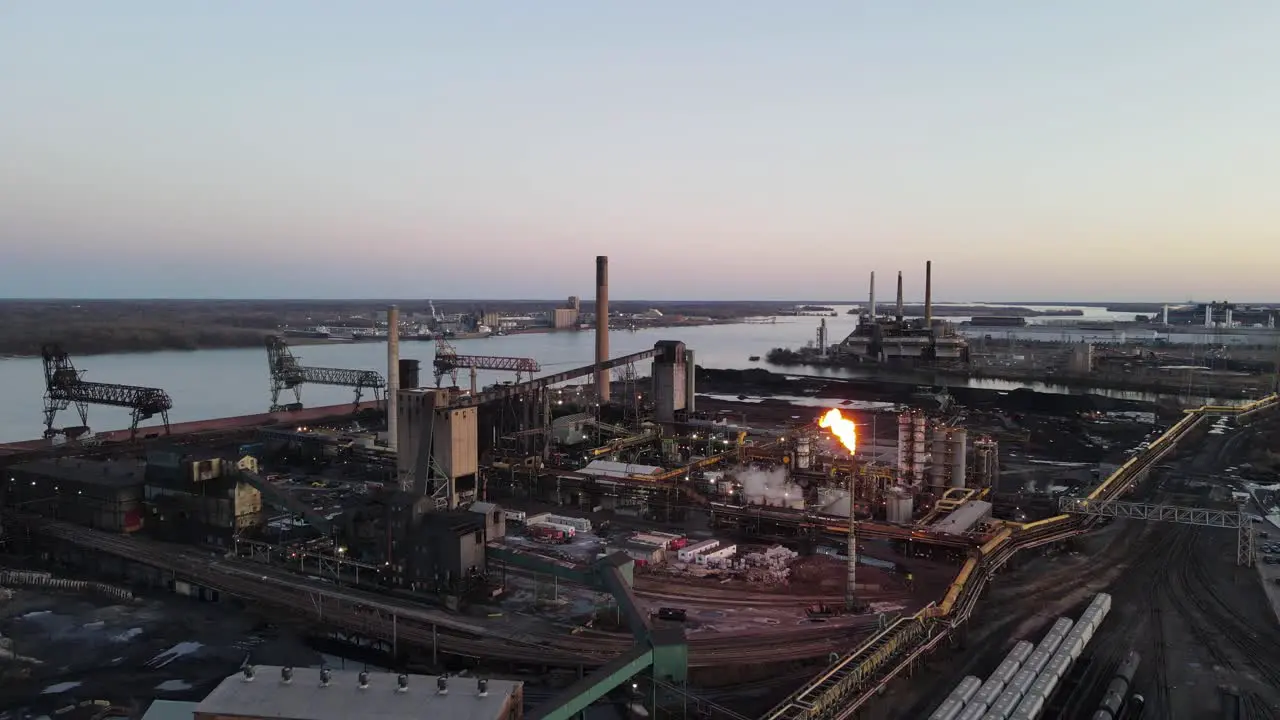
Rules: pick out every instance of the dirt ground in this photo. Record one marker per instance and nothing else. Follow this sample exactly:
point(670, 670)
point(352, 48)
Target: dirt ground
point(85, 648)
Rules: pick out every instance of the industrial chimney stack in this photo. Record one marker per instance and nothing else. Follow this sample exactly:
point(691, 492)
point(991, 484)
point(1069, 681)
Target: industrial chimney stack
point(899, 308)
point(871, 308)
point(928, 294)
point(602, 327)
point(393, 374)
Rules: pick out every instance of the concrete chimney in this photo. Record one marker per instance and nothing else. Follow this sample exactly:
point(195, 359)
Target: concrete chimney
point(602, 328)
point(899, 297)
point(393, 373)
point(928, 293)
point(871, 307)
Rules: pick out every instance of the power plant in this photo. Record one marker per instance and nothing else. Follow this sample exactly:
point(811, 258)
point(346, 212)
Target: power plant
point(598, 527)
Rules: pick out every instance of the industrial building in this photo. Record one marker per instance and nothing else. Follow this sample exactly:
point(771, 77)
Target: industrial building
point(103, 495)
point(285, 693)
point(898, 339)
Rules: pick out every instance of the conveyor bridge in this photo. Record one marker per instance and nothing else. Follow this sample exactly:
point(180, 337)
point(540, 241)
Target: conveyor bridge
point(852, 680)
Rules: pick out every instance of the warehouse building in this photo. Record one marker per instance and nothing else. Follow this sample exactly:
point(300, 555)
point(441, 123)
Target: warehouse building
point(101, 495)
point(964, 518)
point(618, 470)
point(281, 693)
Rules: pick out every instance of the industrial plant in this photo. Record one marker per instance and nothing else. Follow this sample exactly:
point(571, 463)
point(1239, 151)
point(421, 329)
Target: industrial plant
point(596, 529)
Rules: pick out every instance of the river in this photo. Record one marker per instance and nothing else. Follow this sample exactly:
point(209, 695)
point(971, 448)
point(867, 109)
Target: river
point(222, 383)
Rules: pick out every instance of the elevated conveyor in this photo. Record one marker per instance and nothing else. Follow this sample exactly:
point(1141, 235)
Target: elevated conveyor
point(840, 690)
point(282, 498)
point(665, 649)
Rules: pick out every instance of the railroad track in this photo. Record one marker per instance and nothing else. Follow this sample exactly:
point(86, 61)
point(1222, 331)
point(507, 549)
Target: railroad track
point(414, 625)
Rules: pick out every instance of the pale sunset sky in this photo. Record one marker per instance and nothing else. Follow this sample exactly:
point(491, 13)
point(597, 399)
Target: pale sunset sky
point(714, 149)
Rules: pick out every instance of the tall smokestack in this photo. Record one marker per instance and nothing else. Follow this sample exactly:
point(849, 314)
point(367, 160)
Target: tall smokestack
point(393, 374)
point(871, 306)
point(899, 297)
point(602, 327)
point(928, 293)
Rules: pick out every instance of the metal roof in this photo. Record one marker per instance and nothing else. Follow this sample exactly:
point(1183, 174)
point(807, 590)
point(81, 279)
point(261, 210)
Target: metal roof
point(963, 518)
point(88, 472)
point(170, 710)
point(303, 698)
point(608, 468)
point(483, 507)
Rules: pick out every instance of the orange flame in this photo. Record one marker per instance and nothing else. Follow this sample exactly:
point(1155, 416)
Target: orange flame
point(842, 427)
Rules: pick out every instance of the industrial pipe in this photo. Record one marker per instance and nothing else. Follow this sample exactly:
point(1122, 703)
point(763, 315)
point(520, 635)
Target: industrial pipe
point(602, 328)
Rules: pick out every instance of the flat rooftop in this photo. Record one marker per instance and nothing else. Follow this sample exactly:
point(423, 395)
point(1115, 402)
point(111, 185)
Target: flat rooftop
point(88, 472)
point(303, 697)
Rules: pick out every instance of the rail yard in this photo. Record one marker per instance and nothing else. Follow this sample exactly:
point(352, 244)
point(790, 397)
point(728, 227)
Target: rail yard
point(620, 541)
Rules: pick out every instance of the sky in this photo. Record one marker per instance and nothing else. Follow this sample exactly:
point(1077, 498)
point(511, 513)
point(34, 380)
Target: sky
point(718, 149)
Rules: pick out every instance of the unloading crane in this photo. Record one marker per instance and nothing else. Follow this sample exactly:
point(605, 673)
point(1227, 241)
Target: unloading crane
point(64, 387)
point(289, 374)
point(448, 362)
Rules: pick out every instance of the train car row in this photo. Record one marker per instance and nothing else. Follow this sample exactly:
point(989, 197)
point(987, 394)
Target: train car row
point(1113, 701)
point(1022, 683)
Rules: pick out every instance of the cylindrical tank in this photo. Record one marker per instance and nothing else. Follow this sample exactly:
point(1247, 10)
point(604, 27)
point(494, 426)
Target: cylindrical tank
point(409, 373)
point(938, 457)
point(917, 449)
point(803, 452)
point(904, 446)
point(899, 508)
point(959, 457)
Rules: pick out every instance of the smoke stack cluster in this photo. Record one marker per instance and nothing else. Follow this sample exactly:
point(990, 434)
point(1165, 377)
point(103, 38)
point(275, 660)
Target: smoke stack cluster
point(928, 293)
point(602, 327)
point(393, 374)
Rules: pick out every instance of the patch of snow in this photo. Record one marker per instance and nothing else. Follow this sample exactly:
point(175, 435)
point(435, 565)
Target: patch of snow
point(173, 653)
point(173, 686)
point(127, 635)
point(94, 625)
point(34, 614)
point(59, 688)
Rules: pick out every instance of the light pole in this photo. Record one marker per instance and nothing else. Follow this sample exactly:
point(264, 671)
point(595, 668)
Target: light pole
point(852, 569)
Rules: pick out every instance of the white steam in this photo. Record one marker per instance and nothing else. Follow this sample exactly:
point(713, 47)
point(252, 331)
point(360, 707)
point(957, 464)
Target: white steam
point(767, 486)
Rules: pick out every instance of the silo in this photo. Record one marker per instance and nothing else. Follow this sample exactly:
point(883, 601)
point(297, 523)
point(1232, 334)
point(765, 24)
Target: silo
point(898, 508)
point(938, 457)
point(904, 446)
point(959, 456)
point(803, 452)
point(918, 454)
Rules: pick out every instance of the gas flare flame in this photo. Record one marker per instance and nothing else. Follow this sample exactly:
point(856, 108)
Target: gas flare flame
point(842, 427)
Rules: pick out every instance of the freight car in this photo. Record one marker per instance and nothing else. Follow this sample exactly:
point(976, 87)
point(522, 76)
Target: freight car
point(1118, 689)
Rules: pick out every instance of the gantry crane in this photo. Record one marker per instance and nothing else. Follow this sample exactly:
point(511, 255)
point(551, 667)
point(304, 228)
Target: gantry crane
point(64, 387)
point(289, 374)
point(448, 362)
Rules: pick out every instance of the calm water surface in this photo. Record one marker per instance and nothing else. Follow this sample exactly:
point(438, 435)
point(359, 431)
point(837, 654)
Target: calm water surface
point(221, 383)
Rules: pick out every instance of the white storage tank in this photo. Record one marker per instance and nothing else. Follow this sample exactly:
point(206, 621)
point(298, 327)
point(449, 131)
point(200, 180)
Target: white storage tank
point(1063, 626)
point(966, 689)
point(1021, 682)
point(1070, 647)
point(1005, 671)
point(959, 442)
point(948, 710)
point(1005, 704)
point(988, 693)
point(1038, 660)
point(1029, 708)
point(1021, 651)
point(972, 711)
point(899, 508)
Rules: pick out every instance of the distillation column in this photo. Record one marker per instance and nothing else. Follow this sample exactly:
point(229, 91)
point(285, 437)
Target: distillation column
point(904, 447)
point(917, 449)
point(602, 328)
point(959, 441)
point(393, 375)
